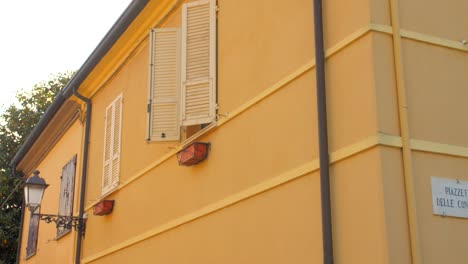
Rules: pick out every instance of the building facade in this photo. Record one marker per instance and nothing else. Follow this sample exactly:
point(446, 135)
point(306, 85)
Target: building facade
point(240, 75)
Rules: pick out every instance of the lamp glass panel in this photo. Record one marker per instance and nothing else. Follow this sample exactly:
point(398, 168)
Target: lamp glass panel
point(34, 195)
point(26, 195)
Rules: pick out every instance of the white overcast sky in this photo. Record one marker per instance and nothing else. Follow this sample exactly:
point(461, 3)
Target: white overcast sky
point(43, 37)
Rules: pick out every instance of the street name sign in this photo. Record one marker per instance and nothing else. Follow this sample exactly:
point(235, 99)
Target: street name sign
point(449, 197)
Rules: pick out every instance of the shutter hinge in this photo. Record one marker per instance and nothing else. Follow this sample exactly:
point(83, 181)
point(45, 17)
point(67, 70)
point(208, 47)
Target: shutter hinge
point(217, 8)
point(216, 106)
point(149, 107)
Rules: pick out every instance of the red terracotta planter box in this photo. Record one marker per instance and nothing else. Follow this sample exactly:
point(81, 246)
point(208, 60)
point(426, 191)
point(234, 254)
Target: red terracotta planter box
point(193, 154)
point(104, 207)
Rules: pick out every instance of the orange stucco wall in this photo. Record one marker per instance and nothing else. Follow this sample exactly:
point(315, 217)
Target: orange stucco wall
point(273, 138)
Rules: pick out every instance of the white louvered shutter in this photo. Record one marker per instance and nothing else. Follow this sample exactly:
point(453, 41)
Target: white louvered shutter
point(33, 233)
point(112, 142)
point(165, 84)
point(199, 62)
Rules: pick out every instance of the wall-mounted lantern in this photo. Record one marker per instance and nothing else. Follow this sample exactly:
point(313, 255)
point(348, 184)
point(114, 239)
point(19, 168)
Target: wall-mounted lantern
point(34, 189)
point(193, 154)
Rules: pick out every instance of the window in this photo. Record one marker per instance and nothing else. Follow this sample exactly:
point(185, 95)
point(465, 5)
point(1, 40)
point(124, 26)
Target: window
point(67, 190)
point(32, 235)
point(183, 73)
point(112, 142)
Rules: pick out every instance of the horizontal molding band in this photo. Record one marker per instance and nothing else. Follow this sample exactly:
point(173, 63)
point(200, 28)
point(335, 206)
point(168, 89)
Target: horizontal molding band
point(439, 148)
point(307, 168)
point(408, 34)
point(281, 179)
point(425, 146)
point(233, 199)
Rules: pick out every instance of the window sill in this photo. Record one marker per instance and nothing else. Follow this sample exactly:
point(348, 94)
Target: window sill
point(195, 136)
point(108, 193)
point(185, 142)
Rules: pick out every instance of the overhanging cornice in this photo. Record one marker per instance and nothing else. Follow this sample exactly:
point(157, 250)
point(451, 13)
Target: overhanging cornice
point(57, 126)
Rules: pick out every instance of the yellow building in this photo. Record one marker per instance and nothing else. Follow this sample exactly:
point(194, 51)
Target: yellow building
point(241, 75)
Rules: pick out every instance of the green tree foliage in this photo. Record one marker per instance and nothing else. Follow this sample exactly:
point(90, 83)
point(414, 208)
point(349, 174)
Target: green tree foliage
point(16, 123)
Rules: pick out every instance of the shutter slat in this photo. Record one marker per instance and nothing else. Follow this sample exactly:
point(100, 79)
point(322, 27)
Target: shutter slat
point(165, 85)
point(200, 52)
point(197, 104)
point(197, 96)
point(163, 94)
point(198, 29)
point(165, 82)
point(164, 63)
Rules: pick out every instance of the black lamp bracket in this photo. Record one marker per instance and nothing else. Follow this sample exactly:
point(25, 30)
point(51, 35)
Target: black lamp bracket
point(79, 224)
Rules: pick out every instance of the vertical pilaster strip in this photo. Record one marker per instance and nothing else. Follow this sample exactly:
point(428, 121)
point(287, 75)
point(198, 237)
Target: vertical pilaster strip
point(404, 130)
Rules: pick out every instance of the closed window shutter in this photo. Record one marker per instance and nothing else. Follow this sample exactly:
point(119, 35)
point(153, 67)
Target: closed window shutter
point(165, 84)
point(33, 234)
point(199, 62)
point(67, 190)
point(112, 143)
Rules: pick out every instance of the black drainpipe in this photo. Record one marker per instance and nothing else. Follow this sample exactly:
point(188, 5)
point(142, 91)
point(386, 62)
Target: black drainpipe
point(327, 237)
point(84, 169)
point(20, 235)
